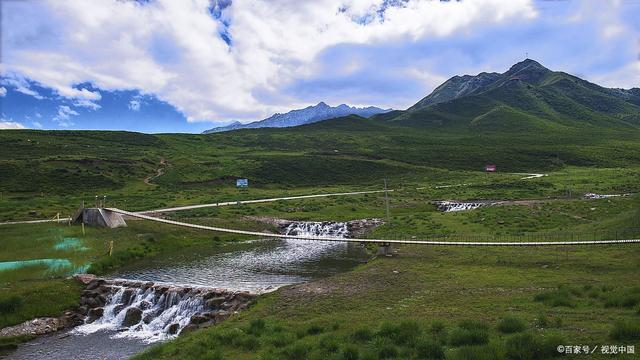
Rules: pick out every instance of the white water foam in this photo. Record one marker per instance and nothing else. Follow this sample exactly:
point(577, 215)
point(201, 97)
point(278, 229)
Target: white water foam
point(159, 312)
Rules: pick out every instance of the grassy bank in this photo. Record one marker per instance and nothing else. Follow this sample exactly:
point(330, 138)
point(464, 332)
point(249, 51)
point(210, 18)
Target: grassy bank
point(439, 302)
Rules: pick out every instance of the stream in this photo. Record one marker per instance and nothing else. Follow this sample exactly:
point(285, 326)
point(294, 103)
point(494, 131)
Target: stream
point(256, 266)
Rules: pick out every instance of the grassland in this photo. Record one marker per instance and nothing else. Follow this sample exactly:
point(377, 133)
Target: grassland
point(421, 302)
point(427, 303)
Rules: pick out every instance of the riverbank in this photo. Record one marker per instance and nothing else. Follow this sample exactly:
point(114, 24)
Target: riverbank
point(435, 303)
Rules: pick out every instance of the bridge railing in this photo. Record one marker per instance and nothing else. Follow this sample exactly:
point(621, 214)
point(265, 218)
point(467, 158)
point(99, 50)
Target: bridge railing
point(552, 236)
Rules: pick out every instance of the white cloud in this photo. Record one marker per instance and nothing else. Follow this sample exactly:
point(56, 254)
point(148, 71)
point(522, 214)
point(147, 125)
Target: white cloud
point(173, 49)
point(64, 115)
point(3, 91)
point(21, 85)
point(87, 104)
point(37, 125)
point(8, 124)
point(135, 102)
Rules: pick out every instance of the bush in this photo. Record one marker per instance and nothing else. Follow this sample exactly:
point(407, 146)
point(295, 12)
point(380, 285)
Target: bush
point(528, 346)
point(10, 304)
point(226, 337)
point(329, 343)
point(469, 333)
point(350, 352)
point(429, 349)
point(406, 332)
point(315, 330)
point(256, 326)
point(493, 351)
point(437, 327)
point(511, 324)
point(247, 342)
point(626, 330)
point(627, 298)
point(281, 339)
point(295, 351)
point(560, 297)
point(523, 347)
point(362, 335)
point(385, 349)
point(542, 321)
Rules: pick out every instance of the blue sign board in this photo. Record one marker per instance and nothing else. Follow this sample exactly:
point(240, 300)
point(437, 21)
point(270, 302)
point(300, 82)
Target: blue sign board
point(242, 183)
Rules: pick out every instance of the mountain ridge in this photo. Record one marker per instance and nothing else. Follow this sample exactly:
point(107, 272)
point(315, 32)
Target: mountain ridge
point(297, 117)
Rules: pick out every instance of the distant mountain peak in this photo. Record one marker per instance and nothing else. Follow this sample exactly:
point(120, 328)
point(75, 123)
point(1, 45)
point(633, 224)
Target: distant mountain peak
point(308, 115)
point(458, 86)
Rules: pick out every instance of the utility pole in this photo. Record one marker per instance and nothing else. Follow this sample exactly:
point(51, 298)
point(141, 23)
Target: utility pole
point(386, 201)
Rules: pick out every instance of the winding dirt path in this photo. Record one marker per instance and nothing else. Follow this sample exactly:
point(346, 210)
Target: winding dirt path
point(159, 172)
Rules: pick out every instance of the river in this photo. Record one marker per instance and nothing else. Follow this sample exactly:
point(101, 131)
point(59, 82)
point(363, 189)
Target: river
point(255, 266)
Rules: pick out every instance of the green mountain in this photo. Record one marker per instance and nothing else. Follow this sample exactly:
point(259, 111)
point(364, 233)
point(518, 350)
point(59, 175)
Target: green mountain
point(527, 97)
point(528, 119)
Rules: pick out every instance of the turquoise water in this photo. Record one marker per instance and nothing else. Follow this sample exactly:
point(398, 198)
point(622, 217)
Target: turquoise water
point(53, 265)
point(70, 243)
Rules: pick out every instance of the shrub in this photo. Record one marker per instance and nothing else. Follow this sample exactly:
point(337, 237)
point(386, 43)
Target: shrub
point(10, 304)
point(247, 342)
point(329, 343)
point(542, 321)
point(627, 298)
point(406, 332)
point(523, 347)
point(256, 326)
point(226, 337)
point(385, 349)
point(527, 346)
point(315, 329)
point(281, 339)
point(626, 330)
point(350, 352)
point(295, 351)
point(511, 324)
point(437, 327)
point(362, 335)
point(429, 349)
point(560, 297)
point(469, 333)
point(492, 351)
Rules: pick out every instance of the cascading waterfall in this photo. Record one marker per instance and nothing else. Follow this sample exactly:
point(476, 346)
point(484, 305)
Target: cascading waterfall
point(320, 229)
point(453, 206)
point(154, 312)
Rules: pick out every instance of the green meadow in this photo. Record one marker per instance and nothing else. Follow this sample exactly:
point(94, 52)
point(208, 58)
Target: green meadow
point(420, 303)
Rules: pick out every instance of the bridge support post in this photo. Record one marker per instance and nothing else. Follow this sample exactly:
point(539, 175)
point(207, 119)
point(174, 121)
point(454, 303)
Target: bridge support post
point(384, 249)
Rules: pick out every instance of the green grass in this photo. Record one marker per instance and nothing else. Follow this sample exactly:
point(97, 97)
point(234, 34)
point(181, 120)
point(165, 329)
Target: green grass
point(450, 298)
point(421, 303)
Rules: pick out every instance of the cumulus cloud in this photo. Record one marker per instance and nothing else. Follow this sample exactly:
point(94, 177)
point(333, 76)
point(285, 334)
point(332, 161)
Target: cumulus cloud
point(134, 103)
point(8, 124)
point(3, 91)
point(63, 118)
point(215, 60)
point(86, 104)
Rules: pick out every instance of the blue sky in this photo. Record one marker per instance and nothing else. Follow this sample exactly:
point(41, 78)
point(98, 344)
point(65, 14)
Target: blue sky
point(167, 66)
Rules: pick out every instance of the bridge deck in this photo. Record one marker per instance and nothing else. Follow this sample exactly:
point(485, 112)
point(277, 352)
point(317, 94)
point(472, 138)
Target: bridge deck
point(375, 241)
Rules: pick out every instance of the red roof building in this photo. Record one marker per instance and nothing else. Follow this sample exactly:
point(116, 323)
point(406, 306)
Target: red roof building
point(490, 168)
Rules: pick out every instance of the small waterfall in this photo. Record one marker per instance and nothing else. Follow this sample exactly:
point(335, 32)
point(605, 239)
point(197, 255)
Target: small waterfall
point(154, 312)
point(454, 206)
point(602, 196)
point(320, 229)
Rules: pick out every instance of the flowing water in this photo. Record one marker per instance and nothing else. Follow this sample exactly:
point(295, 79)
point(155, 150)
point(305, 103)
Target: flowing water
point(255, 266)
point(455, 206)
